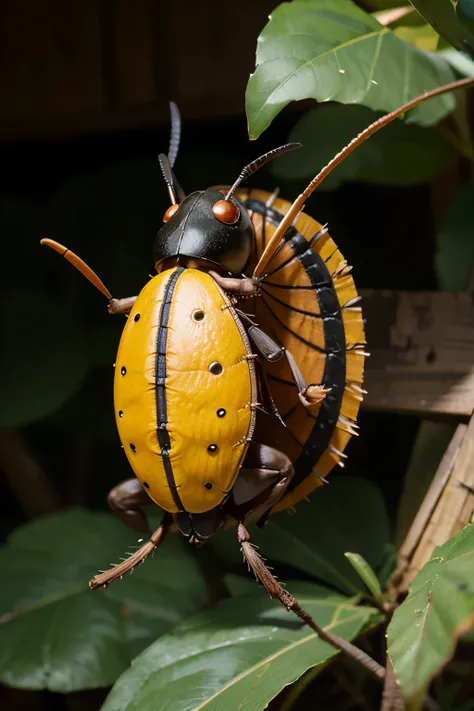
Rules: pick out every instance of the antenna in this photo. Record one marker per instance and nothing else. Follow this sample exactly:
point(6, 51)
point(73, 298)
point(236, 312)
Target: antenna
point(175, 135)
point(298, 204)
point(257, 164)
point(79, 264)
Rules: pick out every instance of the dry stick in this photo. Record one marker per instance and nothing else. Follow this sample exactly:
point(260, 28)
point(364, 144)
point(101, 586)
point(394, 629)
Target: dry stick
point(392, 699)
point(119, 570)
point(275, 590)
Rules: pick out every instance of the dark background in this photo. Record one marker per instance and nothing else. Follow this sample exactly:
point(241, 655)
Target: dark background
point(84, 113)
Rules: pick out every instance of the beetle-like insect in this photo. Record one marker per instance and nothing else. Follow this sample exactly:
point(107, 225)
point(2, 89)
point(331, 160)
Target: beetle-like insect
point(252, 307)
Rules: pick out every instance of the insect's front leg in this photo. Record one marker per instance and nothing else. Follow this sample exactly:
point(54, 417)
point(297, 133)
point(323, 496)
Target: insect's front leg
point(261, 483)
point(246, 286)
point(121, 306)
point(309, 394)
point(126, 500)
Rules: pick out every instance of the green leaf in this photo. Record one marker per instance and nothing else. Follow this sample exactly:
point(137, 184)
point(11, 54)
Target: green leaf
point(424, 37)
point(366, 573)
point(455, 251)
point(54, 632)
point(44, 356)
point(438, 610)
point(238, 655)
point(330, 50)
point(442, 16)
point(348, 513)
point(401, 154)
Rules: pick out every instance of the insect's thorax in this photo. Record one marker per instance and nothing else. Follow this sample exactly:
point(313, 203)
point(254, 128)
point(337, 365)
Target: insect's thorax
point(183, 391)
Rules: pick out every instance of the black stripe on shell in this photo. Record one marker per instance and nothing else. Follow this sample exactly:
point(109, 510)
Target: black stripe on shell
point(334, 341)
point(160, 380)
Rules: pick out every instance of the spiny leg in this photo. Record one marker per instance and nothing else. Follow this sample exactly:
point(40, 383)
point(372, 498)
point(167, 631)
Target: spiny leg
point(275, 590)
point(309, 394)
point(118, 571)
point(126, 500)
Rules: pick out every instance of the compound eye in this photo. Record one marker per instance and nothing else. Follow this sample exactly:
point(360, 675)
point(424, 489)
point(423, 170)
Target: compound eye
point(225, 211)
point(172, 210)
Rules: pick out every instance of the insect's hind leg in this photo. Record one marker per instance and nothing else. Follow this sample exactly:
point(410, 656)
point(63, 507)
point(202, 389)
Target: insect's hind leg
point(126, 500)
point(261, 483)
point(309, 394)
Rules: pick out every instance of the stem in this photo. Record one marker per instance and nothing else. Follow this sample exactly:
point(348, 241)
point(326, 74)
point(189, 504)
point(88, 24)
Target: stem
point(392, 699)
point(275, 590)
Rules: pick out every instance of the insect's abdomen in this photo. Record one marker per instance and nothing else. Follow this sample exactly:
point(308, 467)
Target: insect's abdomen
point(183, 400)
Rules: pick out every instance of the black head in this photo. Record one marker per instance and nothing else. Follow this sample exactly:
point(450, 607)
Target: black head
point(208, 225)
point(195, 230)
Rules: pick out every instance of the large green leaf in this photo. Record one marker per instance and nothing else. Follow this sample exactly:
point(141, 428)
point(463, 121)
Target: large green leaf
point(54, 632)
point(439, 608)
point(238, 655)
point(402, 154)
point(346, 515)
point(330, 50)
point(455, 239)
point(441, 14)
point(44, 356)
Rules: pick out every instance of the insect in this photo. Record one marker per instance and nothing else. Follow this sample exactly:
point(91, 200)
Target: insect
point(239, 372)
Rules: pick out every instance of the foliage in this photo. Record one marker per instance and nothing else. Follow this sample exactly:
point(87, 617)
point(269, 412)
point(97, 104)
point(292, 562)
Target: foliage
point(244, 651)
point(330, 50)
point(336, 554)
point(438, 610)
point(78, 639)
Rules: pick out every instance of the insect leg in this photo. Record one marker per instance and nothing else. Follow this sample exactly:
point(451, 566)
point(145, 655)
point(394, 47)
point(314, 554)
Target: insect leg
point(271, 351)
point(126, 500)
point(260, 485)
point(246, 286)
point(121, 306)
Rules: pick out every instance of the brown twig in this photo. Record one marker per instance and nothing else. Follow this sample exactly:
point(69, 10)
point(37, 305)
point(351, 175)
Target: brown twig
point(118, 571)
point(275, 590)
point(392, 699)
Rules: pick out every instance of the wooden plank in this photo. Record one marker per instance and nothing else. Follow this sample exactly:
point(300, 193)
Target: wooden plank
point(448, 507)
point(422, 346)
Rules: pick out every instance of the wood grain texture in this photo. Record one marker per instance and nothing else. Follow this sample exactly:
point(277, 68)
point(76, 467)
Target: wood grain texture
point(448, 507)
point(422, 352)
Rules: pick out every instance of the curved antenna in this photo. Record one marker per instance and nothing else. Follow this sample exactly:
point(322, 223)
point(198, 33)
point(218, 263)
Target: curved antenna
point(168, 176)
point(79, 264)
point(256, 164)
point(175, 135)
point(298, 204)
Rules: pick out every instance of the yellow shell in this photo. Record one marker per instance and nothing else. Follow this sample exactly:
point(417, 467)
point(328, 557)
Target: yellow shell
point(184, 421)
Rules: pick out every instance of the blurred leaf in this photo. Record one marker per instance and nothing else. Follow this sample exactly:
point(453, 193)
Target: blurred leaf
point(44, 356)
point(430, 445)
point(54, 632)
point(401, 154)
point(442, 16)
point(365, 573)
point(238, 655)
point(465, 13)
point(459, 61)
point(346, 514)
point(439, 608)
point(424, 37)
point(455, 255)
point(331, 50)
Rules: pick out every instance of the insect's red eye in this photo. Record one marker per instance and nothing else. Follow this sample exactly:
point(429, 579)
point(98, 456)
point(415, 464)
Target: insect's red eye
point(172, 210)
point(225, 211)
